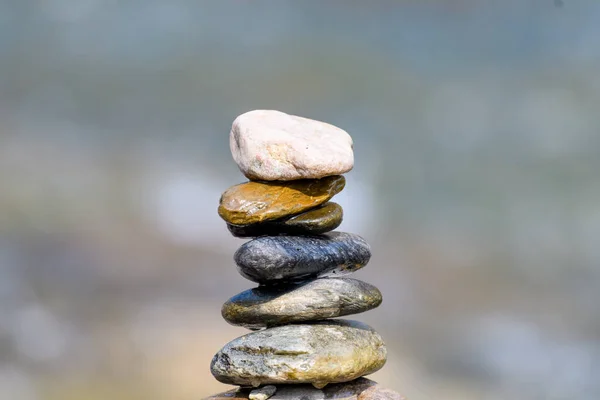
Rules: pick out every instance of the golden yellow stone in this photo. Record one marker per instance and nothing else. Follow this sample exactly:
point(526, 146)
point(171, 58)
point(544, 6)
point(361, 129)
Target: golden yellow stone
point(253, 202)
point(321, 219)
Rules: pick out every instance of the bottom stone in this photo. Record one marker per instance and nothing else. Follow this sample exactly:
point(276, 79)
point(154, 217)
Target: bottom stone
point(360, 389)
point(319, 353)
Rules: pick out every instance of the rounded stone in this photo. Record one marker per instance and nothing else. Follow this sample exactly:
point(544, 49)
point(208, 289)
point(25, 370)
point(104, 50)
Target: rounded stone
point(320, 353)
point(270, 145)
point(322, 219)
point(255, 202)
point(271, 259)
point(319, 299)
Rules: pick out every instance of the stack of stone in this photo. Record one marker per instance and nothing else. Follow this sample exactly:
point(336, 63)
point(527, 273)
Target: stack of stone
point(294, 166)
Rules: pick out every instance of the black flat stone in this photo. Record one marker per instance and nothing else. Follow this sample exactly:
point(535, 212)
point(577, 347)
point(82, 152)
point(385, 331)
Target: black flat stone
point(319, 220)
point(319, 299)
point(273, 259)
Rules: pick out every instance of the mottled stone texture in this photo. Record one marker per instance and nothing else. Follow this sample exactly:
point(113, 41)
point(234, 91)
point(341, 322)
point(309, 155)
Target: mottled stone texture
point(359, 389)
point(319, 354)
point(322, 219)
point(315, 300)
point(263, 393)
point(254, 202)
point(280, 258)
point(273, 146)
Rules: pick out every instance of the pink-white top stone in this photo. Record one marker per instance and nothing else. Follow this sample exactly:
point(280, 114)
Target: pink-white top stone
point(270, 145)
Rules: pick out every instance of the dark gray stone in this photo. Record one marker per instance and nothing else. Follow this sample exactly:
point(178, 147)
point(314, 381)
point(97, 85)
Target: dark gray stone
point(319, 299)
point(272, 259)
point(319, 353)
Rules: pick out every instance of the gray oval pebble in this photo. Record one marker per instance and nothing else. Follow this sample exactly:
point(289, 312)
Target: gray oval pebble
point(270, 259)
point(315, 300)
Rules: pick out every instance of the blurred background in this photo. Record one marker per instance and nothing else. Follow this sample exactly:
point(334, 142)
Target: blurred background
point(476, 129)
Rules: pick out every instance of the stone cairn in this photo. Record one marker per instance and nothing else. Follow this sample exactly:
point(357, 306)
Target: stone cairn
point(294, 165)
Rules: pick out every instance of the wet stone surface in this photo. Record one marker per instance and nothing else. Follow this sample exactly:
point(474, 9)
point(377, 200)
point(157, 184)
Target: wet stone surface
point(315, 300)
point(254, 202)
point(319, 353)
point(271, 259)
point(319, 220)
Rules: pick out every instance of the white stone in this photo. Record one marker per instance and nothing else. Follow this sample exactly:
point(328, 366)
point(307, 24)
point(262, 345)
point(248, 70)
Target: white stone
point(270, 145)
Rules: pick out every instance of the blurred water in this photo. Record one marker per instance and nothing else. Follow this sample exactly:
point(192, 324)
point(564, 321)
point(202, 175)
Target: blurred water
point(476, 140)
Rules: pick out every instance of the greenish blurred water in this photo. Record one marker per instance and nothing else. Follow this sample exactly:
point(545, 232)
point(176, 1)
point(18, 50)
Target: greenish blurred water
point(476, 140)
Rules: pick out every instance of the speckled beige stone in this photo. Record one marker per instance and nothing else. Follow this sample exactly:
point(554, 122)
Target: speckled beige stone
point(274, 146)
point(319, 353)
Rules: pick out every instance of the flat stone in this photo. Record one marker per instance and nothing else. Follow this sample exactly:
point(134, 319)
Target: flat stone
point(319, 299)
point(319, 353)
point(359, 389)
point(324, 218)
point(273, 146)
point(254, 202)
point(270, 259)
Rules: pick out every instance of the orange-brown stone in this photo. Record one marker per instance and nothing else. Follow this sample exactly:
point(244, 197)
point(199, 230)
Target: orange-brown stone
point(253, 202)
